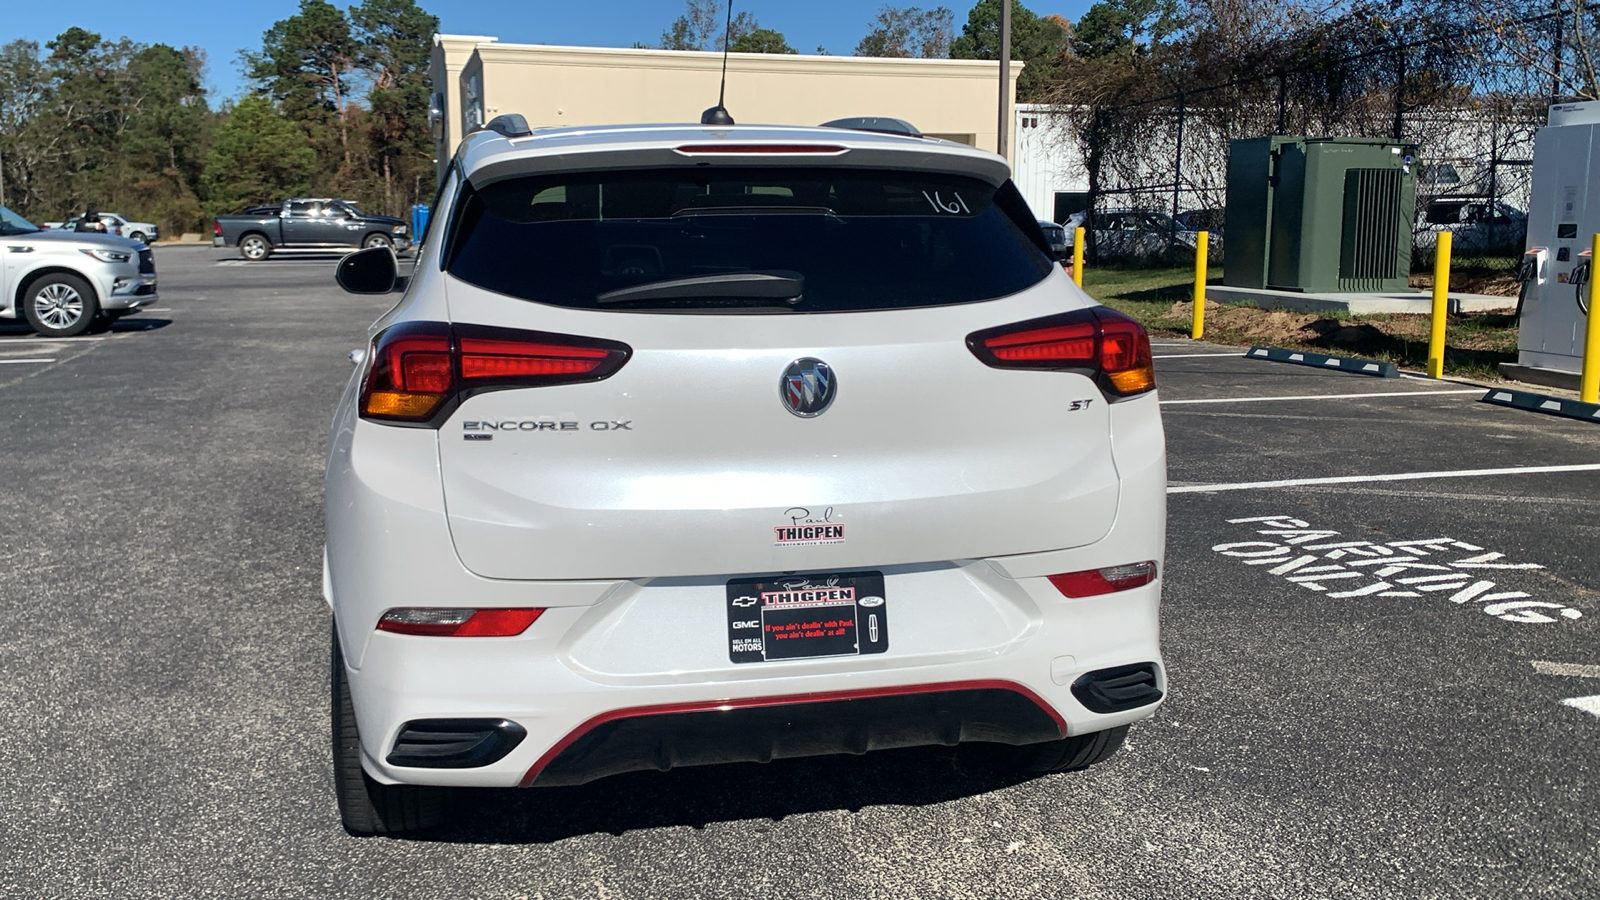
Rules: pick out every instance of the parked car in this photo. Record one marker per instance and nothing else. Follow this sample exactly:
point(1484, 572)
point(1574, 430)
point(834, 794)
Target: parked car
point(308, 225)
point(1476, 225)
point(1208, 220)
point(114, 224)
point(633, 475)
point(1057, 238)
point(62, 282)
point(1136, 235)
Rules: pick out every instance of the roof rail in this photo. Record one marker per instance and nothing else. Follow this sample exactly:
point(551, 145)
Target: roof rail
point(512, 125)
point(879, 124)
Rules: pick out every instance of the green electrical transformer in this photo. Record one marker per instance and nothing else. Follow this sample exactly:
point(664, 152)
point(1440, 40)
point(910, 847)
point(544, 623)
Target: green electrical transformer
point(1327, 214)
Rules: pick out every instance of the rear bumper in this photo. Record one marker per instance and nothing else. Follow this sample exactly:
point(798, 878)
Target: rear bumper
point(583, 724)
point(624, 675)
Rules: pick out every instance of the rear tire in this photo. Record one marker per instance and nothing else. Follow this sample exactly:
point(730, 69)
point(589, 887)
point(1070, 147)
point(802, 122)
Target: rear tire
point(1069, 754)
point(254, 247)
point(366, 806)
point(60, 305)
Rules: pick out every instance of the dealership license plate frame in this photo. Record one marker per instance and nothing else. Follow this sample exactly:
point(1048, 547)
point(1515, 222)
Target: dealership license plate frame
point(787, 617)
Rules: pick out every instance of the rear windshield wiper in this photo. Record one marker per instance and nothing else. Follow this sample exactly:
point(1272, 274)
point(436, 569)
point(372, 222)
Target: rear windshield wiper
point(771, 286)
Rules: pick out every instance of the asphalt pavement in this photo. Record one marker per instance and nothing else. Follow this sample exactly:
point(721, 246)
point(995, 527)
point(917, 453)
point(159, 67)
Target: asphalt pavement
point(1385, 673)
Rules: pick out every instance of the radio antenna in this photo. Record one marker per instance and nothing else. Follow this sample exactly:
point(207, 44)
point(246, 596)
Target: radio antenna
point(718, 115)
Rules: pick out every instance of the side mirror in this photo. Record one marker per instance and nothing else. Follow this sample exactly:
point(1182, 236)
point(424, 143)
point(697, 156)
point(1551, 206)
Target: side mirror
point(371, 271)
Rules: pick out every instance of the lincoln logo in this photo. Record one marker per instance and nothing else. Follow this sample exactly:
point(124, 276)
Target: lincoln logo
point(808, 387)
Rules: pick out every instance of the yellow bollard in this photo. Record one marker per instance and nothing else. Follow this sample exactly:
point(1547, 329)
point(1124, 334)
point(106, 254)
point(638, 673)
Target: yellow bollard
point(1198, 328)
point(1589, 387)
point(1441, 306)
point(1077, 256)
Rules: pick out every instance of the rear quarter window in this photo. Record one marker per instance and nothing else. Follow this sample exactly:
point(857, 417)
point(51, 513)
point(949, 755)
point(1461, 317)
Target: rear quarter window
point(858, 239)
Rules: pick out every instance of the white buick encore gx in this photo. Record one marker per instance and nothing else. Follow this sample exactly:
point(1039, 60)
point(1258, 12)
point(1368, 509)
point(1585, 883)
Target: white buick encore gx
point(690, 445)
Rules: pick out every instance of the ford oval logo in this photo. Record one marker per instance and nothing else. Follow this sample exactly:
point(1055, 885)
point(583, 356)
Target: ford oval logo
point(808, 387)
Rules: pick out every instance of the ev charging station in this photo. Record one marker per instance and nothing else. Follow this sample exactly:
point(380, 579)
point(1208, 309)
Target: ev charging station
point(1562, 223)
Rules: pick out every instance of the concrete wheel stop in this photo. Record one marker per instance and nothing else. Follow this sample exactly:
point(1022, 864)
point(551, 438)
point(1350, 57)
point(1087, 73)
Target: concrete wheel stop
point(1323, 361)
point(1541, 403)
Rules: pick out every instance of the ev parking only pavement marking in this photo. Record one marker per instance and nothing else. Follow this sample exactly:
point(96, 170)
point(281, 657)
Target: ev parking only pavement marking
point(1326, 562)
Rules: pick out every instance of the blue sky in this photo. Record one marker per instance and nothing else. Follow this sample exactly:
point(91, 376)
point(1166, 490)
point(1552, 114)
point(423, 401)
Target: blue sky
point(223, 29)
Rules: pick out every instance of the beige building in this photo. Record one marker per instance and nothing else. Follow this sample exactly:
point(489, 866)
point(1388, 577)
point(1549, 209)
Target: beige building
point(476, 78)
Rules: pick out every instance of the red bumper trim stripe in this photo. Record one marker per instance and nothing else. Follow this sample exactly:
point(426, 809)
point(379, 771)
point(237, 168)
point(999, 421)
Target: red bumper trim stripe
point(785, 700)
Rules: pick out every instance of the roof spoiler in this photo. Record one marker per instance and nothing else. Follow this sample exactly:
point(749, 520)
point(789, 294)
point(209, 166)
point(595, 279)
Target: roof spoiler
point(879, 124)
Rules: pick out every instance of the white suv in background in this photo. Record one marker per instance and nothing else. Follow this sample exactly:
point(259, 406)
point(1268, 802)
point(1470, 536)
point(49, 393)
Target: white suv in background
point(61, 282)
point(118, 225)
point(694, 445)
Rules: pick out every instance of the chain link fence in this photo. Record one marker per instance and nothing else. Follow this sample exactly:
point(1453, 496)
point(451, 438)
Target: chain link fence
point(1468, 99)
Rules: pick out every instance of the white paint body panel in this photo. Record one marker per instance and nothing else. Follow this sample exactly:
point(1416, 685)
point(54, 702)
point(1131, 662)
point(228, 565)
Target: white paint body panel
point(964, 485)
point(926, 454)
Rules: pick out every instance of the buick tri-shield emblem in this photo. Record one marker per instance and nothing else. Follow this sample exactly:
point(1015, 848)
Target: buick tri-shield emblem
point(807, 387)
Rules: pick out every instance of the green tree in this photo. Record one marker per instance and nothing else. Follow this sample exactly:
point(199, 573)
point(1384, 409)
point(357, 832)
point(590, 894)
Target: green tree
point(908, 31)
point(395, 38)
point(702, 26)
point(1126, 28)
point(306, 64)
point(1041, 43)
point(762, 40)
point(258, 157)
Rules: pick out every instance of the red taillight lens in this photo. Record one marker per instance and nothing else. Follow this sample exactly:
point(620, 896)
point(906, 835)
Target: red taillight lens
point(1097, 341)
point(1125, 354)
point(410, 377)
point(1093, 582)
point(488, 359)
point(216, 228)
point(1061, 344)
point(420, 369)
point(453, 622)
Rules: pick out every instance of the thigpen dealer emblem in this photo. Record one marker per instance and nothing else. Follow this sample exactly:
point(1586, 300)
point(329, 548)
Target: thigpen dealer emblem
point(485, 429)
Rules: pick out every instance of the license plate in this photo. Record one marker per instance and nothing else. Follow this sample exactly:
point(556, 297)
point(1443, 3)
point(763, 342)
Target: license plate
point(799, 617)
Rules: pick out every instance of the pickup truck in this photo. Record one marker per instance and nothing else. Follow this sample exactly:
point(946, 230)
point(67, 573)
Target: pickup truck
point(305, 224)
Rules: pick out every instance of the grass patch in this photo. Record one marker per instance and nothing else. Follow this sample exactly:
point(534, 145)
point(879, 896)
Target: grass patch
point(1475, 343)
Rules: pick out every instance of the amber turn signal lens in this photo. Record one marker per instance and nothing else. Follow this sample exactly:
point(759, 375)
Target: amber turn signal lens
point(1133, 381)
point(401, 405)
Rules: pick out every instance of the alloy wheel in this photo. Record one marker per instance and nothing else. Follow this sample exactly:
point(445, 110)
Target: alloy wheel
point(58, 305)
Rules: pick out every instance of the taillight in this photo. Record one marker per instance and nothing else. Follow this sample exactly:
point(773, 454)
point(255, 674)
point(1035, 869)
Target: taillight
point(420, 370)
point(1098, 341)
point(435, 621)
point(1093, 582)
point(216, 228)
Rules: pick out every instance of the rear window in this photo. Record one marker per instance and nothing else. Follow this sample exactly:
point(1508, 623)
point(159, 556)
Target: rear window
point(810, 240)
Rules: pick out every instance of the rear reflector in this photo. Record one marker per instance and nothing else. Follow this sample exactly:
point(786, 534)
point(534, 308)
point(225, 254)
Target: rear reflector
point(699, 149)
point(1098, 341)
point(451, 622)
point(420, 370)
point(1093, 582)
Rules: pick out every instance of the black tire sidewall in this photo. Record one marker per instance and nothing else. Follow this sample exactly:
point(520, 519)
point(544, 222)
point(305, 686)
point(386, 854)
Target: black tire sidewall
point(91, 305)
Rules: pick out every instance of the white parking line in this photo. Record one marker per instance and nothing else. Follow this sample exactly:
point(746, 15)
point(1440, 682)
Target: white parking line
point(1198, 355)
point(1320, 396)
point(10, 361)
point(71, 340)
point(1363, 479)
point(1576, 670)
